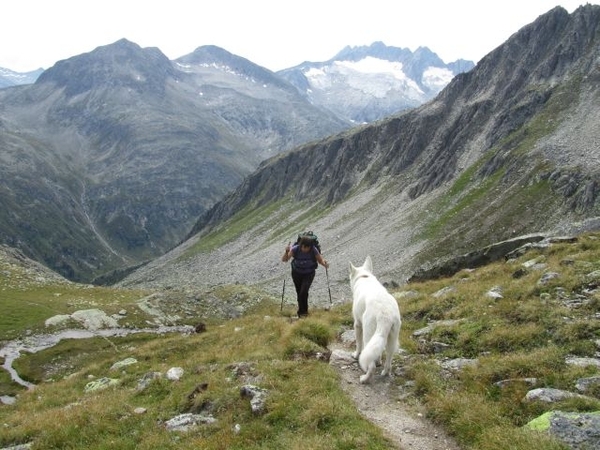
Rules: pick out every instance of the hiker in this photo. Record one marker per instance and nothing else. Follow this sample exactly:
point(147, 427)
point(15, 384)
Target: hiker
point(306, 259)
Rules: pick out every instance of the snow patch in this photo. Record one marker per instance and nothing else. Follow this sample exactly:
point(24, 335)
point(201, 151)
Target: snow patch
point(437, 78)
point(372, 76)
point(371, 65)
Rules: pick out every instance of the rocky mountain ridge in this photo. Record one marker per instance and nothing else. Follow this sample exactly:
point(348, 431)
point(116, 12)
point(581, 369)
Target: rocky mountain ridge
point(507, 149)
point(359, 84)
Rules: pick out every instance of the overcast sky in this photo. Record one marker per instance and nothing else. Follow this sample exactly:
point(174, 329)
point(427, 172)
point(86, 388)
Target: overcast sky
point(275, 34)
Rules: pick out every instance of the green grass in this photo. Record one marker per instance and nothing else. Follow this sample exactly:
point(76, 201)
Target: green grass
point(26, 302)
point(306, 406)
point(28, 309)
point(528, 333)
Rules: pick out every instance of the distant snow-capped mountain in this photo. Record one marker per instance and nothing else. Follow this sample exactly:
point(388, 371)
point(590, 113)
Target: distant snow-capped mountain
point(367, 83)
point(11, 78)
point(359, 84)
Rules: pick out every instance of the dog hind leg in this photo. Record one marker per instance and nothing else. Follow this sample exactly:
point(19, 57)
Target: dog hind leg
point(390, 349)
point(358, 332)
point(387, 367)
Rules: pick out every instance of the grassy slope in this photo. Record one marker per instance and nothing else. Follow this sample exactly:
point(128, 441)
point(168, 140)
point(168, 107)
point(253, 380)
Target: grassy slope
point(527, 333)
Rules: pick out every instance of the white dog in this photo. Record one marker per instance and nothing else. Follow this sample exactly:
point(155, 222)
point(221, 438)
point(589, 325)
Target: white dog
point(376, 320)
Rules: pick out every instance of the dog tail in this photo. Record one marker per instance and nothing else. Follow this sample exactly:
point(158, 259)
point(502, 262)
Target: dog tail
point(372, 352)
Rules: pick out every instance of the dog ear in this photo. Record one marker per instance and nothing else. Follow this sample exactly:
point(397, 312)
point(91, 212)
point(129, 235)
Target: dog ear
point(368, 264)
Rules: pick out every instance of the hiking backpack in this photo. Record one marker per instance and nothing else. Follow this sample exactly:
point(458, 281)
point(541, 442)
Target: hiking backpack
point(315, 242)
point(312, 236)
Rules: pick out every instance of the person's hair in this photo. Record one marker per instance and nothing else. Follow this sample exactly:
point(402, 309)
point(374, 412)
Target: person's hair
point(307, 242)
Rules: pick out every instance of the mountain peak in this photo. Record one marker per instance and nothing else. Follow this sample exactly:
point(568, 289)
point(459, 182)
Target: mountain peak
point(217, 56)
point(367, 83)
point(122, 63)
point(212, 55)
point(377, 50)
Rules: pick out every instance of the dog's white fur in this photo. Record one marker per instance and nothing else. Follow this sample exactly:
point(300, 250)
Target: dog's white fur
point(376, 320)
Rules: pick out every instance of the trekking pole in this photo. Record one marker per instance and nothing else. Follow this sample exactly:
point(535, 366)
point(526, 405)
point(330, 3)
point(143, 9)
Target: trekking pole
point(328, 288)
point(282, 294)
point(283, 291)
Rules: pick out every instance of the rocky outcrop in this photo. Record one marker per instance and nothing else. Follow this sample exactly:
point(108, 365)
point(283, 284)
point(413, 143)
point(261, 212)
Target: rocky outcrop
point(579, 431)
point(474, 259)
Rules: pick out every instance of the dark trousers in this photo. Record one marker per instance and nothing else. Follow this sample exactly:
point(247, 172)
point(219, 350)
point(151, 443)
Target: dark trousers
point(302, 282)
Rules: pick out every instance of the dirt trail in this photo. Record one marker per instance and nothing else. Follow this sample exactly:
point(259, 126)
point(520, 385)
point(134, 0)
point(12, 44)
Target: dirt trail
point(380, 402)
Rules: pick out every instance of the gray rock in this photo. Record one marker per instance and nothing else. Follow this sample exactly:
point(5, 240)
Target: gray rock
point(174, 373)
point(458, 364)
point(94, 319)
point(19, 447)
point(549, 395)
point(547, 277)
point(147, 379)
point(476, 258)
point(495, 292)
point(257, 397)
point(440, 323)
point(585, 384)
point(123, 363)
point(341, 358)
point(582, 362)
point(58, 320)
point(536, 262)
point(508, 382)
point(188, 421)
point(348, 337)
point(100, 383)
point(444, 291)
point(7, 400)
point(580, 431)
